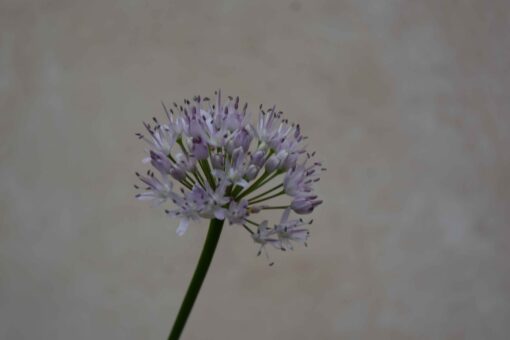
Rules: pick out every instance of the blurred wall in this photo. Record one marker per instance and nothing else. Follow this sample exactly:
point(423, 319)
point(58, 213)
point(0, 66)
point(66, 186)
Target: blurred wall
point(405, 101)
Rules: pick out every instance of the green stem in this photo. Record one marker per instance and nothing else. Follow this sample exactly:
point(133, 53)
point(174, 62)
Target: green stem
point(268, 198)
point(237, 189)
point(204, 164)
point(252, 187)
point(247, 228)
point(198, 177)
point(270, 178)
point(251, 222)
point(213, 235)
point(266, 192)
point(190, 180)
point(185, 184)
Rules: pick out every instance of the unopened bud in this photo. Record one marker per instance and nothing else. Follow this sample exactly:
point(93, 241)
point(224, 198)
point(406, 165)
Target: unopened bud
point(272, 163)
point(252, 172)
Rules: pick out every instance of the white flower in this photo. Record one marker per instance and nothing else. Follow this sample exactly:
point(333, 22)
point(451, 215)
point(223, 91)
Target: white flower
point(238, 211)
point(300, 179)
point(236, 169)
point(265, 235)
point(288, 231)
point(161, 138)
point(157, 190)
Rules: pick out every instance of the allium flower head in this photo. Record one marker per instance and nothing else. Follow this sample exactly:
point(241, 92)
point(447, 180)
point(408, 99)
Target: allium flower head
point(211, 161)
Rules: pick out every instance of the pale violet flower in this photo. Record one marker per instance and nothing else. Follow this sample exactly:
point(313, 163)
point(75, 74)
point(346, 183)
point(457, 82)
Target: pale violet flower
point(265, 235)
point(291, 231)
point(213, 162)
point(157, 190)
point(236, 170)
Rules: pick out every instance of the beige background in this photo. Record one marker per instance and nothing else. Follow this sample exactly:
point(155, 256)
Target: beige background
point(406, 101)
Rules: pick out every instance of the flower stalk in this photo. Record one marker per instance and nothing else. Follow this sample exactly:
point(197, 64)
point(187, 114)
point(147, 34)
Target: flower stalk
point(211, 240)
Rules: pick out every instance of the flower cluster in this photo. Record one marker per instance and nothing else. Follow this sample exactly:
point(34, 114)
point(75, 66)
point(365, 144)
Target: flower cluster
point(211, 161)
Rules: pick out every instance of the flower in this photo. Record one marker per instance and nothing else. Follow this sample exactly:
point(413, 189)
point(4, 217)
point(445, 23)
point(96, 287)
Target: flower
point(211, 161)
point(265, 235)
point(237, 211)
point(157, 191)
point(288, 231)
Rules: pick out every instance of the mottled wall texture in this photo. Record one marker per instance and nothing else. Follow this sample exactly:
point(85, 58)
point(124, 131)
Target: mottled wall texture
point(407, 103)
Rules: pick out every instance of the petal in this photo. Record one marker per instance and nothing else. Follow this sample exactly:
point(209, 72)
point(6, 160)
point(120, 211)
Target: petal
point(243, 183)
point(219, 214)
point(145, 196)
point(285, 216)
point(183, 226)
